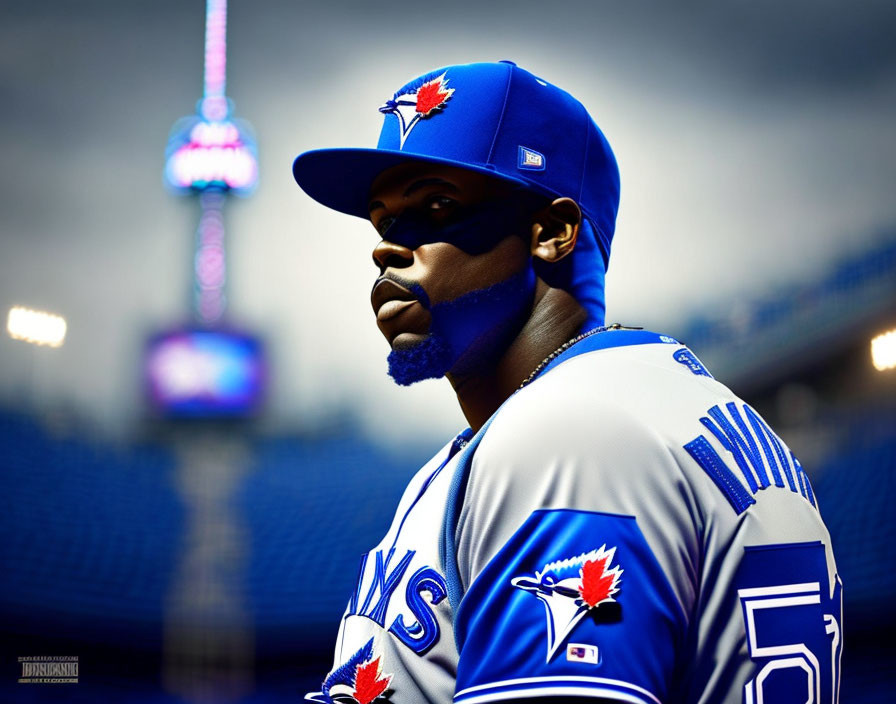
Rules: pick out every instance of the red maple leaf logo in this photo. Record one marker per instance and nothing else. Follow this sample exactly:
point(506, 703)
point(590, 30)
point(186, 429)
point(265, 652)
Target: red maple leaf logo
point(368, 684)
point(598, 583)
point(432, 95)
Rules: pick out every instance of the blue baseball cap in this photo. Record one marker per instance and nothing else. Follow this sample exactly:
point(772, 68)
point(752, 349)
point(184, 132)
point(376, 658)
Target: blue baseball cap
point(493, 118)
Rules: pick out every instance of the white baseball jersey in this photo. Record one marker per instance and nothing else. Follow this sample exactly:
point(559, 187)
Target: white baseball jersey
point(623, 528)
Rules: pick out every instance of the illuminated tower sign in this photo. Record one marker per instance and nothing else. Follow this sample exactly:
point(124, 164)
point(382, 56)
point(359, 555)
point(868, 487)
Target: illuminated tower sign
point(212, 155)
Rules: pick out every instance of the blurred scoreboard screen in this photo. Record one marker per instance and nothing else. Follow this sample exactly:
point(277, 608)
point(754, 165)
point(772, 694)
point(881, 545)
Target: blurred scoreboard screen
point(204, 374)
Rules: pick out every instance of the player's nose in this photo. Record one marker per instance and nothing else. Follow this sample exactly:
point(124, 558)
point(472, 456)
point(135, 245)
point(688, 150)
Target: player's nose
point(388, 254)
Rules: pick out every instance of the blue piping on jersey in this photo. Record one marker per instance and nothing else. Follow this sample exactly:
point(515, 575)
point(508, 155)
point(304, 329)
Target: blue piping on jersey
point(458, 443)
point(447, 545)
point(608, 339)
point(557, 686)
point(775, 546)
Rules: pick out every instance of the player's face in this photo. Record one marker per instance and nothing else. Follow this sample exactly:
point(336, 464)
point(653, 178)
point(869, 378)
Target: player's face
point(439, 298)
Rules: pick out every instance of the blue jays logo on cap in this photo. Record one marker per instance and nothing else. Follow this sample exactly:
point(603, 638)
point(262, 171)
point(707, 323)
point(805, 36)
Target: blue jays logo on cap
point(412, 105)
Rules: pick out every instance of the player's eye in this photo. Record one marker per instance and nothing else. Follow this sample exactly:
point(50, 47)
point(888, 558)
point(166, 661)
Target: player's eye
point(440, 203)
point(384, 224)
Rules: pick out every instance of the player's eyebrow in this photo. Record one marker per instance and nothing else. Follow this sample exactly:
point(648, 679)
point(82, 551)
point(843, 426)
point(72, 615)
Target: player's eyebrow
point(414, 187)
point(424, 182)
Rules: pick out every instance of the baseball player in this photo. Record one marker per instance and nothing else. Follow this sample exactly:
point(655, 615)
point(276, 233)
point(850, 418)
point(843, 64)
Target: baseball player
point(614, 524)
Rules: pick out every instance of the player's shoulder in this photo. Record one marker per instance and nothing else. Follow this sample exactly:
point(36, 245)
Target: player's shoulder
point(585, 439)
point(658, 368)
point(613, 415)
point(654, 390)
point(613, 422)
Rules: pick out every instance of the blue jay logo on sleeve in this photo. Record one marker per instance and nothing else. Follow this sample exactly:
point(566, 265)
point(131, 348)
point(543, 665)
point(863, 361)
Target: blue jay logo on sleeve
point(360, 680)
point(571, 588)
point(411, 105)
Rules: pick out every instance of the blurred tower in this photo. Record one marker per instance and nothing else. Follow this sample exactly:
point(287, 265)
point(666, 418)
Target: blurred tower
point(200, 375)
point(211, 156)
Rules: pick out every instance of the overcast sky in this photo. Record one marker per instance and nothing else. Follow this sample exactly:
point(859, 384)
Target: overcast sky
point(756, 144)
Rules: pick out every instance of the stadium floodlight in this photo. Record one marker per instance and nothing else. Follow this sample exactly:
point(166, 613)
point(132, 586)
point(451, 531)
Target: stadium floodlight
point(35, 326)
point(883, 351)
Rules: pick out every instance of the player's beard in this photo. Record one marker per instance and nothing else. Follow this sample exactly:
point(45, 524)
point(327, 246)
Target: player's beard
point(466, 333)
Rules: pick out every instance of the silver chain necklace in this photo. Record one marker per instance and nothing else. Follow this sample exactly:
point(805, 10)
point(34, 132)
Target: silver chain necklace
point(565, 346)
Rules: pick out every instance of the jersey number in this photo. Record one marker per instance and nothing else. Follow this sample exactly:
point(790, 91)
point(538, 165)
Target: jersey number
point(793, 627)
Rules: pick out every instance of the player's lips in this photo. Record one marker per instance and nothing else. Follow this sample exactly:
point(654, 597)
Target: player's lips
point(397, 309)
point(389, 298)
point(390, 309)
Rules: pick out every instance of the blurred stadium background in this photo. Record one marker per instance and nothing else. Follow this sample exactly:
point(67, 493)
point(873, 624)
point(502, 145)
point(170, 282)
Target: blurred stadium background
point(202, 551)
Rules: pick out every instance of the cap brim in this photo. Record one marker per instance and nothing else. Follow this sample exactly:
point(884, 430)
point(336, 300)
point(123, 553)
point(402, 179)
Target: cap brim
point(341, 178)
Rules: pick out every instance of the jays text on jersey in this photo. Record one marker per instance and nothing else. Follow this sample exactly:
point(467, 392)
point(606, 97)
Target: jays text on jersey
point(624, 528)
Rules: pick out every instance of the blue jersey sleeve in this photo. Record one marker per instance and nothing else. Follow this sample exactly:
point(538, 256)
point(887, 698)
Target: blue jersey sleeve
point(575, 604)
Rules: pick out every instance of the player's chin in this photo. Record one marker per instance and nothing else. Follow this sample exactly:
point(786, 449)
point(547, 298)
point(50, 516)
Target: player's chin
point(427, 358)
point(407, 340)
point(407, 329)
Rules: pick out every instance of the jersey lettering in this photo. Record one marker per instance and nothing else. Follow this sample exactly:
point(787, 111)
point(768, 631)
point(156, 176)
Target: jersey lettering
point(384, 583)
point(704, 454)
point(423, 630)
point(739, 442)
point(689, 359)
point(421, 635)
point(792, 624)
point(748, 441)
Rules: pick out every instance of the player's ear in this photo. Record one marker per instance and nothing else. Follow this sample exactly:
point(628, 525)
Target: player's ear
point(555, 230)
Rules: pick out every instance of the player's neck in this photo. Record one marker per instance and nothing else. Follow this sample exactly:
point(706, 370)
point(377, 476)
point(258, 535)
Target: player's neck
point(556, 318)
